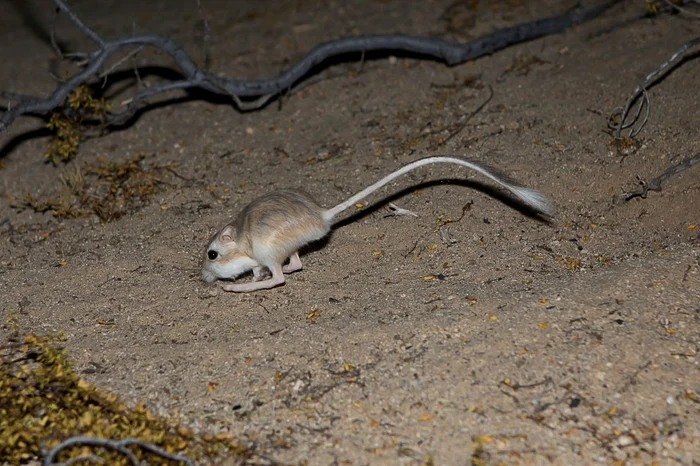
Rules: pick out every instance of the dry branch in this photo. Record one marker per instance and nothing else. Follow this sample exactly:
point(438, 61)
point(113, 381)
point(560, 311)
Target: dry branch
point(121, 446)
point(258, 92)
point(684, 11)
point(655, 184)
point(619, 115)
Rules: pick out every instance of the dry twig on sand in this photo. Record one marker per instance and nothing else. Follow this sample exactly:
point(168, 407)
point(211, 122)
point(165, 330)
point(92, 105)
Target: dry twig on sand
point(655, 184)
point(617, 120)
point(618, 117)
point(258, 92)
point(121, 446)
point(680, 7)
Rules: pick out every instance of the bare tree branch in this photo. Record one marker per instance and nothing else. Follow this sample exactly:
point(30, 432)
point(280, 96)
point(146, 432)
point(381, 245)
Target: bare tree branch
point(655, 184)
point(205, 35)
point(681, 10)
point(61, 6)
point(262, 90)
point(119, 445)
point(617, 120)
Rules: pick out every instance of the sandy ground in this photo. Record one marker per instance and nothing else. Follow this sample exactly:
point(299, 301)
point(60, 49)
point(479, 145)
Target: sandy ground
point(499, 338)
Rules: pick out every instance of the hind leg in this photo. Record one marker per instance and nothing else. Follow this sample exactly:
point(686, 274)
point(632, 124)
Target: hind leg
point(258, 273)
point(294, 264)
point(277, 279)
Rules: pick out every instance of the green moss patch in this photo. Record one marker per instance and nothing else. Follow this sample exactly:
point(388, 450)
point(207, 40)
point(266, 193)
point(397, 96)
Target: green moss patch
point(43, 402)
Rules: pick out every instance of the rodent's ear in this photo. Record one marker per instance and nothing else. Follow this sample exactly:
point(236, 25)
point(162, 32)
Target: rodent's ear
point(228, 233)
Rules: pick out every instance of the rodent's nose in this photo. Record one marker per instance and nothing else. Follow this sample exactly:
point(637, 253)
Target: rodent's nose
point(207, 276)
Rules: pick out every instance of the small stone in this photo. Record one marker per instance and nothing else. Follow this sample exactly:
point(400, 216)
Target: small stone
point(298, 385)
point(625, 441)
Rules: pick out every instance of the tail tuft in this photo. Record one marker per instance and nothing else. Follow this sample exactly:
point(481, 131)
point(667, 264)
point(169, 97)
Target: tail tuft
point(534, 199)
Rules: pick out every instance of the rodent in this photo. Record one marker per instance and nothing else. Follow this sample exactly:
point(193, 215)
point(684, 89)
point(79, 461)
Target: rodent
point(273, 227)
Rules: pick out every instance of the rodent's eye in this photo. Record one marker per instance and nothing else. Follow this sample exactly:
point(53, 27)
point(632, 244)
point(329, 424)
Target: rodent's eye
point(212, 255)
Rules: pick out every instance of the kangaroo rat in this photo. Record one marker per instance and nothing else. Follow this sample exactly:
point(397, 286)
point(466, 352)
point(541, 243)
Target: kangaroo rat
point(273, 228)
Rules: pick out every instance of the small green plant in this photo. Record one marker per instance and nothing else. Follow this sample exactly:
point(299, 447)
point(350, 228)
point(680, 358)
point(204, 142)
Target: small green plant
point(67, 124)
point(107, 189)
point(43, 401)
point(652, 6)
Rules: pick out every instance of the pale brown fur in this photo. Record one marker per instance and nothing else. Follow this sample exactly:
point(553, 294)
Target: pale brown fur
point(278, 218)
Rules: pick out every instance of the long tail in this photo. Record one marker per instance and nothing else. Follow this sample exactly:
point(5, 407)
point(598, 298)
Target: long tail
point(530, 197)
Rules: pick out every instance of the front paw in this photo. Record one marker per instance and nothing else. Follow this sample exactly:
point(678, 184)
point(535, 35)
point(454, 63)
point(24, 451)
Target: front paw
point(231, 287)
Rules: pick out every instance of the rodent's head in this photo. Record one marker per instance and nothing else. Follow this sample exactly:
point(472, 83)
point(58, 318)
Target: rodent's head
point(224, 258)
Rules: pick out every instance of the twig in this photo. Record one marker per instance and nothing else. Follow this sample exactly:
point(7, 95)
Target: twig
point(655, 184)
point(118, 445)
point(205, 35)
point(681, 10)
point(632, 379)
point(52, 34)
point(618, 116)
point(176, 174)
point(131, 54)
point(61, 6)
point(517, 386)
point(139, 83)
point(396, 211)
point(415, 245)
point(648, 13)
point(451, 53)
point(463, 125)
